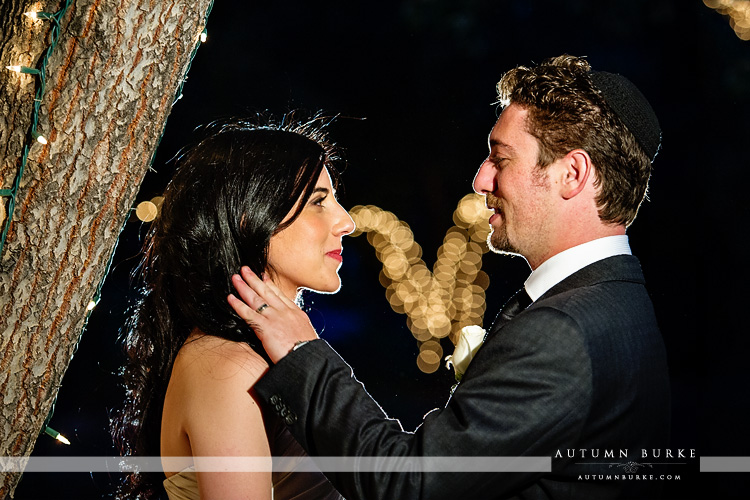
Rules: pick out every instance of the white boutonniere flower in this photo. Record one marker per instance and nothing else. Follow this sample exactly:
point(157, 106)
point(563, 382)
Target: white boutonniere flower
point(470, 339)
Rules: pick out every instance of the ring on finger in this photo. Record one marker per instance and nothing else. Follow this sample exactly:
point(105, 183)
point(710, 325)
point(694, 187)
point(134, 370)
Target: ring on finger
point(261, 308)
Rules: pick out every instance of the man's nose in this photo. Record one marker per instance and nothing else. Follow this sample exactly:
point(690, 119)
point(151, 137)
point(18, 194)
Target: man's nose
point(484, 180)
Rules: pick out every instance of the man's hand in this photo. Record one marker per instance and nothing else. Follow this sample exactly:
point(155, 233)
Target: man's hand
point(277, 321)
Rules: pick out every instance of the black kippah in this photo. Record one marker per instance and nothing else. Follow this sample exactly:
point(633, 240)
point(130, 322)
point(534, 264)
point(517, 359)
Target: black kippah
point(632, 108)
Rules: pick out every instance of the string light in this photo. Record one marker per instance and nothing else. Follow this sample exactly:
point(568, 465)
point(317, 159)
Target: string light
point(36, 16)
point(39, 137)
point(204, 36)
point(24, 69)
point(440, 302)
point(36, 136)
point(39, 72)
point(56, 435)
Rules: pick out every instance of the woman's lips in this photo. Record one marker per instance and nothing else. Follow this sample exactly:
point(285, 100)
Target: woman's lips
point(335, 254)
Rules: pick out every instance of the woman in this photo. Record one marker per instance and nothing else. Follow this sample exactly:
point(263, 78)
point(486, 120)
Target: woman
point(260, 196)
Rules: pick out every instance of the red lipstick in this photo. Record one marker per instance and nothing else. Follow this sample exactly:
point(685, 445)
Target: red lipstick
point(335, 254)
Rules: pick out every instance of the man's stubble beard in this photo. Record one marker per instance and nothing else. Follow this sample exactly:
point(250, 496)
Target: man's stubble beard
point(499, 242)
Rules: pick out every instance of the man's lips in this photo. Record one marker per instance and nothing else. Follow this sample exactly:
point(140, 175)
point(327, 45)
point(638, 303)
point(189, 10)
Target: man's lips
point(335, 254)
point(496, 215)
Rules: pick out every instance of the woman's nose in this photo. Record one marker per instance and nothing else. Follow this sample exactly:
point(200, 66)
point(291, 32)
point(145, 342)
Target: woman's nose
point(345, 224)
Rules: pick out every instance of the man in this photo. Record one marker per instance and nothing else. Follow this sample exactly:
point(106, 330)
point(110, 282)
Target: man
point(579, 375)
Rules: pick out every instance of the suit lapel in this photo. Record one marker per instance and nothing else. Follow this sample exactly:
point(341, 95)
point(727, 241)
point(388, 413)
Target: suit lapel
point(617, 268)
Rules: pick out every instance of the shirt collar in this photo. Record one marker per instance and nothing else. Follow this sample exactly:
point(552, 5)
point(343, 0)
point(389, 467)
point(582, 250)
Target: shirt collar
point(558, 267)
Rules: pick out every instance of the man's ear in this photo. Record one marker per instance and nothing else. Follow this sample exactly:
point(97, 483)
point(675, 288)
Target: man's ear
point(577, 169)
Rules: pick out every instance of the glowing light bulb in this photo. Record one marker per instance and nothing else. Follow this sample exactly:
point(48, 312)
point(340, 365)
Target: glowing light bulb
point(23, 69)
point(91, 306)
point(36, 16)
point(56, 435)
point(204, 36)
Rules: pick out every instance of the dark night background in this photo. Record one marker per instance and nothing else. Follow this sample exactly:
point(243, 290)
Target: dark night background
point(422, 73)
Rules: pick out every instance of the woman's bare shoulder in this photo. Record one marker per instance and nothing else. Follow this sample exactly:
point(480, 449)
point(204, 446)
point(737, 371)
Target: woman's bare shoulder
point(209, 408)
point(209, 361)
point(211, 383)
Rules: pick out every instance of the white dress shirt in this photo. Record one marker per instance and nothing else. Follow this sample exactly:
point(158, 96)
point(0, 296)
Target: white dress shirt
point(560, 266)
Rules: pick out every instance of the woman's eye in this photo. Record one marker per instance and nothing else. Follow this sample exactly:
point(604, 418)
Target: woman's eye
point(318, 201)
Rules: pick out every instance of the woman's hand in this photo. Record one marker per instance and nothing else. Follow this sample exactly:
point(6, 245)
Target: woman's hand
point(278, 322)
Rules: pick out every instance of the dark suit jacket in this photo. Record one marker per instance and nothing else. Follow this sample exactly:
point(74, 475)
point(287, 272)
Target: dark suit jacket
point(583, 367)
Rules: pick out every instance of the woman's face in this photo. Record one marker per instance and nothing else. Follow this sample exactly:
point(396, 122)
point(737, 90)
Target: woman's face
point(307, 254)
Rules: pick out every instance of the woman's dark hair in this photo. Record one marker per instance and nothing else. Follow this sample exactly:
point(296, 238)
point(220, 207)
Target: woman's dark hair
point(230, 193)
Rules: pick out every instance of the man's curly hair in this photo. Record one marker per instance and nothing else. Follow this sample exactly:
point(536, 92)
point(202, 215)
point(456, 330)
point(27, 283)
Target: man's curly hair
point(567, 112)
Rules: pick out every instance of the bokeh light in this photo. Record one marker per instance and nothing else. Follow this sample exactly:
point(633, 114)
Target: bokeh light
point(440, 302)
point(437, 303)
point(147, 211)
point(738, 12)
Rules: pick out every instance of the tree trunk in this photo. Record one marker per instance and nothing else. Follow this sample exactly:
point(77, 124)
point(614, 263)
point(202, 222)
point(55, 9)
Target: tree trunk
point(110, 85)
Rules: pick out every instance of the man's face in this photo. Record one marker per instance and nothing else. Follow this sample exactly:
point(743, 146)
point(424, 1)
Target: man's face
point(516, 189)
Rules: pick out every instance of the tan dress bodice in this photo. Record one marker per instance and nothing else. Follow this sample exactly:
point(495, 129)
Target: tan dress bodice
point(287, 485)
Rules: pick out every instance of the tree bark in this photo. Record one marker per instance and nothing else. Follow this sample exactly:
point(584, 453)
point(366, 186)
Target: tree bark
point(110, 85)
